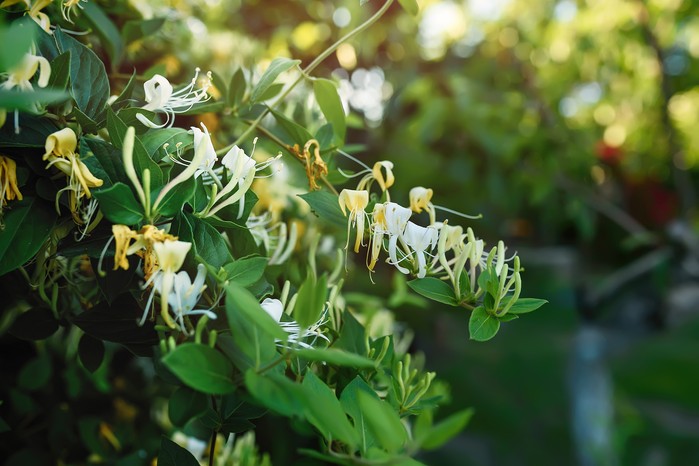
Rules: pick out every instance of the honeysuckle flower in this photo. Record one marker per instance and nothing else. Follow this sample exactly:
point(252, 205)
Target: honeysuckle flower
point(161, 98)
point(20, 76)
point(421, 199)
point(9, 190)
point(183, 296)
point(278, 240)
point(39, 16)
point(241, 171)
point(123, 236)
point(377, 174)
point(202, 139)
point(170, 256)
point(68, 8)
point(421, 240)
point(275, 309)
point(356, 201)
point(396, 219)
point(60, 153)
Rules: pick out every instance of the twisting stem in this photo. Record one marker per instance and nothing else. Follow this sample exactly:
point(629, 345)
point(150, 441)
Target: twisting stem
point(307, 71)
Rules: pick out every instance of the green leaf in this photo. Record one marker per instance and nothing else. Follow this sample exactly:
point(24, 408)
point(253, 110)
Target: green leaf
point(28, 224)
point(352, 336)
point(350, 403)
point(326, 206)
point(60, 72)
point(271, 92)
point(201, 368)
point(129, 116)
point(410, 6)
point(325, 412)
point(36, 373)
point(208, 242)
point(247, 270)
point(154, 141)
point(482, 326)
point(34, 131)
point(236, 90)
point(88, 78)
point(434, 289)
point(87, 124)
point(20, 34)
point(329, 101)
point(277, 393)
point(383, 422)
point(175, 199)
point(138, 29)
point(125, 95)
point(277, 67)
point(171, 454)
point(106, 30)
point(335, 357)
point(26, 101)
point(525, 305)
point(186, 404)
point(310, 300)
point(141, 159)
point(118, 322)
point(35, 324)
point(103, 160)
point(119, 205)
point(240, 301)
point(444, 431)
point(91, 352)
point(508, 317)
point(296, 132)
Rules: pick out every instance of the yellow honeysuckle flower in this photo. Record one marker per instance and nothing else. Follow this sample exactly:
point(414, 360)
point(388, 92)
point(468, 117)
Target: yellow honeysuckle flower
point(356, 201)
point(123, 236)
point(388, 181)
point(40, 17)
point(60, 152)
point(67, 8)
point(24, 71)
point(420, 198)
point(375, 174)
point(9, 190)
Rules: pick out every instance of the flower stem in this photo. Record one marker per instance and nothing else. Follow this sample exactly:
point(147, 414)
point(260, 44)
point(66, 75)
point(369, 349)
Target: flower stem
point(307, 71)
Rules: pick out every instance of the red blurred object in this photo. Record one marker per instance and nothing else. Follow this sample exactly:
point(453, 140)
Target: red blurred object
point(608, 154)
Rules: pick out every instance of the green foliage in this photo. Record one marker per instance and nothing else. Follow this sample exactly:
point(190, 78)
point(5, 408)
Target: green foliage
point(434, 289)
point(201, 368)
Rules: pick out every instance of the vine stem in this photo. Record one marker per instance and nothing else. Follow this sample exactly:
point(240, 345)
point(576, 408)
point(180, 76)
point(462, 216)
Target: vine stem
point(307, 71)
point(214, 435)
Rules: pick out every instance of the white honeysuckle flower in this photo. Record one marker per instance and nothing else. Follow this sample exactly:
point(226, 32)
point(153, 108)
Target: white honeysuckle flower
point(278, 240)
point(421, 240)
point(241, 170)
point(275, 309)
point(24, 71)
point(355, 201)
point(160, 98)
point(184, 295)
point(203, 139)
point(396, 220)
point(170, 255)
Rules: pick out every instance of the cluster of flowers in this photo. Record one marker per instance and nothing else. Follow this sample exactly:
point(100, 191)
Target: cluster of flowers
point(437, 250)
point(161, 254)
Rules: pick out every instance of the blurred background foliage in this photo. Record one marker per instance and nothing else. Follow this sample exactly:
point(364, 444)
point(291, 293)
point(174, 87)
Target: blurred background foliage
point(572, 126)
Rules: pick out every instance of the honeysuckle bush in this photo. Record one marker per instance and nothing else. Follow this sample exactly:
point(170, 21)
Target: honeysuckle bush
point(169, 218)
